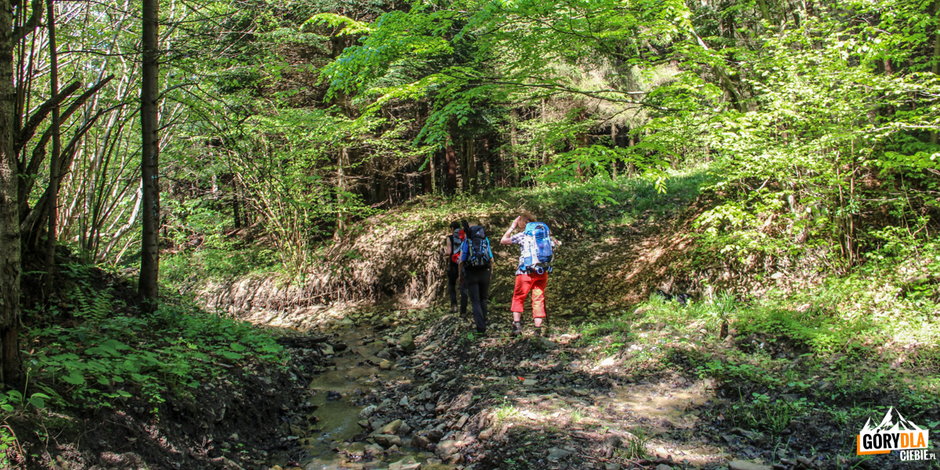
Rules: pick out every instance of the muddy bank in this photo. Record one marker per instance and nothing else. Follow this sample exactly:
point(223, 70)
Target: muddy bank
point(239, 421)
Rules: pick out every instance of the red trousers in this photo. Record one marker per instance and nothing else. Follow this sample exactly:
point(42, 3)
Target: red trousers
point(534, 283)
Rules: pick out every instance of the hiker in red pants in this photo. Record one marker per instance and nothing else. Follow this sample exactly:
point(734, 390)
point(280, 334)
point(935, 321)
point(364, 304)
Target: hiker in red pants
point(537, 251)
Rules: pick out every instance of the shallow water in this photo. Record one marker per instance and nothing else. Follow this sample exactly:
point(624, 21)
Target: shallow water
point(355, 371)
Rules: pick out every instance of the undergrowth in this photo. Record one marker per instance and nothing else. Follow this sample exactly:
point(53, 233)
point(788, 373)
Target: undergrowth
point(93, 349)
point(841, 352)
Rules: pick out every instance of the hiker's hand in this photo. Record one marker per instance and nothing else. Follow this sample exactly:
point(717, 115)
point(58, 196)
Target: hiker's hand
point(515, 223)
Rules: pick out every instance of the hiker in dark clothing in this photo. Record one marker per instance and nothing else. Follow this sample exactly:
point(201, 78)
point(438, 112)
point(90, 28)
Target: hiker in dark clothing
point(451, 251)
point(475, 262)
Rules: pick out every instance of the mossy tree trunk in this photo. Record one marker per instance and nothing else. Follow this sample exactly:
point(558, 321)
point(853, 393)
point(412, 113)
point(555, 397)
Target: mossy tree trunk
point(10, 268)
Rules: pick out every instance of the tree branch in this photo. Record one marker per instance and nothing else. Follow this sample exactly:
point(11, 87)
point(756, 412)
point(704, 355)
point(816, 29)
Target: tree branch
point(41, 113)
point(20, 32)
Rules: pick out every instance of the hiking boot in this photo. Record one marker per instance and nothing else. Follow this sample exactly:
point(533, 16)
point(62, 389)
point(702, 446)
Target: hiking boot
point(516, 328)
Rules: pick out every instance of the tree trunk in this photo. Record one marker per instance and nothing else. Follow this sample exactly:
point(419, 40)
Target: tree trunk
point(471, 177)
point(56, 152)
point(544, 118)
point(341, 222)
point(936, 58)
point(236, 211)
point(613, 144)
point(432, 172)
point(150, 249)
point(10, 268)
point(514, 145)
point(450, 158)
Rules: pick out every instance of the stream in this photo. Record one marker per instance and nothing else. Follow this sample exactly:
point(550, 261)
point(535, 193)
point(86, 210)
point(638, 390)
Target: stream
point(361, 364)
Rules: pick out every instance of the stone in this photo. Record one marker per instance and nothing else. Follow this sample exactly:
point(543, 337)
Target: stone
point(546, 343)
point(407, 463)
point(391, 428)
point(356, 450)
point(367, 411)
point(327, 349)
point(406, 341)
point(403, 401)
point(663, 466)
point(447, 449)
point(745, 465)
point(387, 440)
point(386, 364)
point(421, 442)
point(557, 453)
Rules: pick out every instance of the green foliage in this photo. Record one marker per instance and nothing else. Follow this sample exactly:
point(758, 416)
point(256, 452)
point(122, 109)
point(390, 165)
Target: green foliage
point(8, 446)
point(766, 414)
point(816, 155)
point(106, 359)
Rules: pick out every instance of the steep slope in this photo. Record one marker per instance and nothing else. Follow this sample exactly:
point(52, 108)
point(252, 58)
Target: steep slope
point(621, 240)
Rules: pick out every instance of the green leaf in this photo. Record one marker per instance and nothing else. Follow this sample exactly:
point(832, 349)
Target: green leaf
point(38, 400)
point(231, 355)
point(74, 377)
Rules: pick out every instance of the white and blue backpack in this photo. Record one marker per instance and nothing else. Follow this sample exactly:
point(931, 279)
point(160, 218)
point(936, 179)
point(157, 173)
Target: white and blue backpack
point(541, 253)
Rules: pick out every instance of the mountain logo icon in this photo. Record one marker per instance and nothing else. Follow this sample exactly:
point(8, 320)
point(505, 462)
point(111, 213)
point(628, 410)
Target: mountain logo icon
point(893, 433)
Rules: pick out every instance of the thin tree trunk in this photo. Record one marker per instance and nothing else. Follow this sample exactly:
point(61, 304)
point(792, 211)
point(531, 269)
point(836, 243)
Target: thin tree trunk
point(613, 144)
point(236, 211)
point(544, 120)
point(150, 249)
point(10, 267)
point(514, 145)
point(471, 165)
point(936, 59)
point(433, 170)
point(56, 151)
point(450, 158)
point(342, 163)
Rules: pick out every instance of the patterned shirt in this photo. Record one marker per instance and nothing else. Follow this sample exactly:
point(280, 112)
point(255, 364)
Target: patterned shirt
point(528, 247)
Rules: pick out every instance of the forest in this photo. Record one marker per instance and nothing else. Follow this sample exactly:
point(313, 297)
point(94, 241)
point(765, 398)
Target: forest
point(226, 234)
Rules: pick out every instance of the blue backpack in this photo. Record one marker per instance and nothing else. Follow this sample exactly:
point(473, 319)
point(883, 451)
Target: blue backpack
point(540, 258)
point(479, 254)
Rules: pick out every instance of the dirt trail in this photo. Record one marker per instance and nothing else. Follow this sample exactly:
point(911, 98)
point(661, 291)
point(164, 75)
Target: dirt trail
point(447, 399)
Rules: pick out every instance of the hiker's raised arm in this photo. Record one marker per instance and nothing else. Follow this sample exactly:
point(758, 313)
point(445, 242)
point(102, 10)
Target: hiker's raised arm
point(507, 237)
